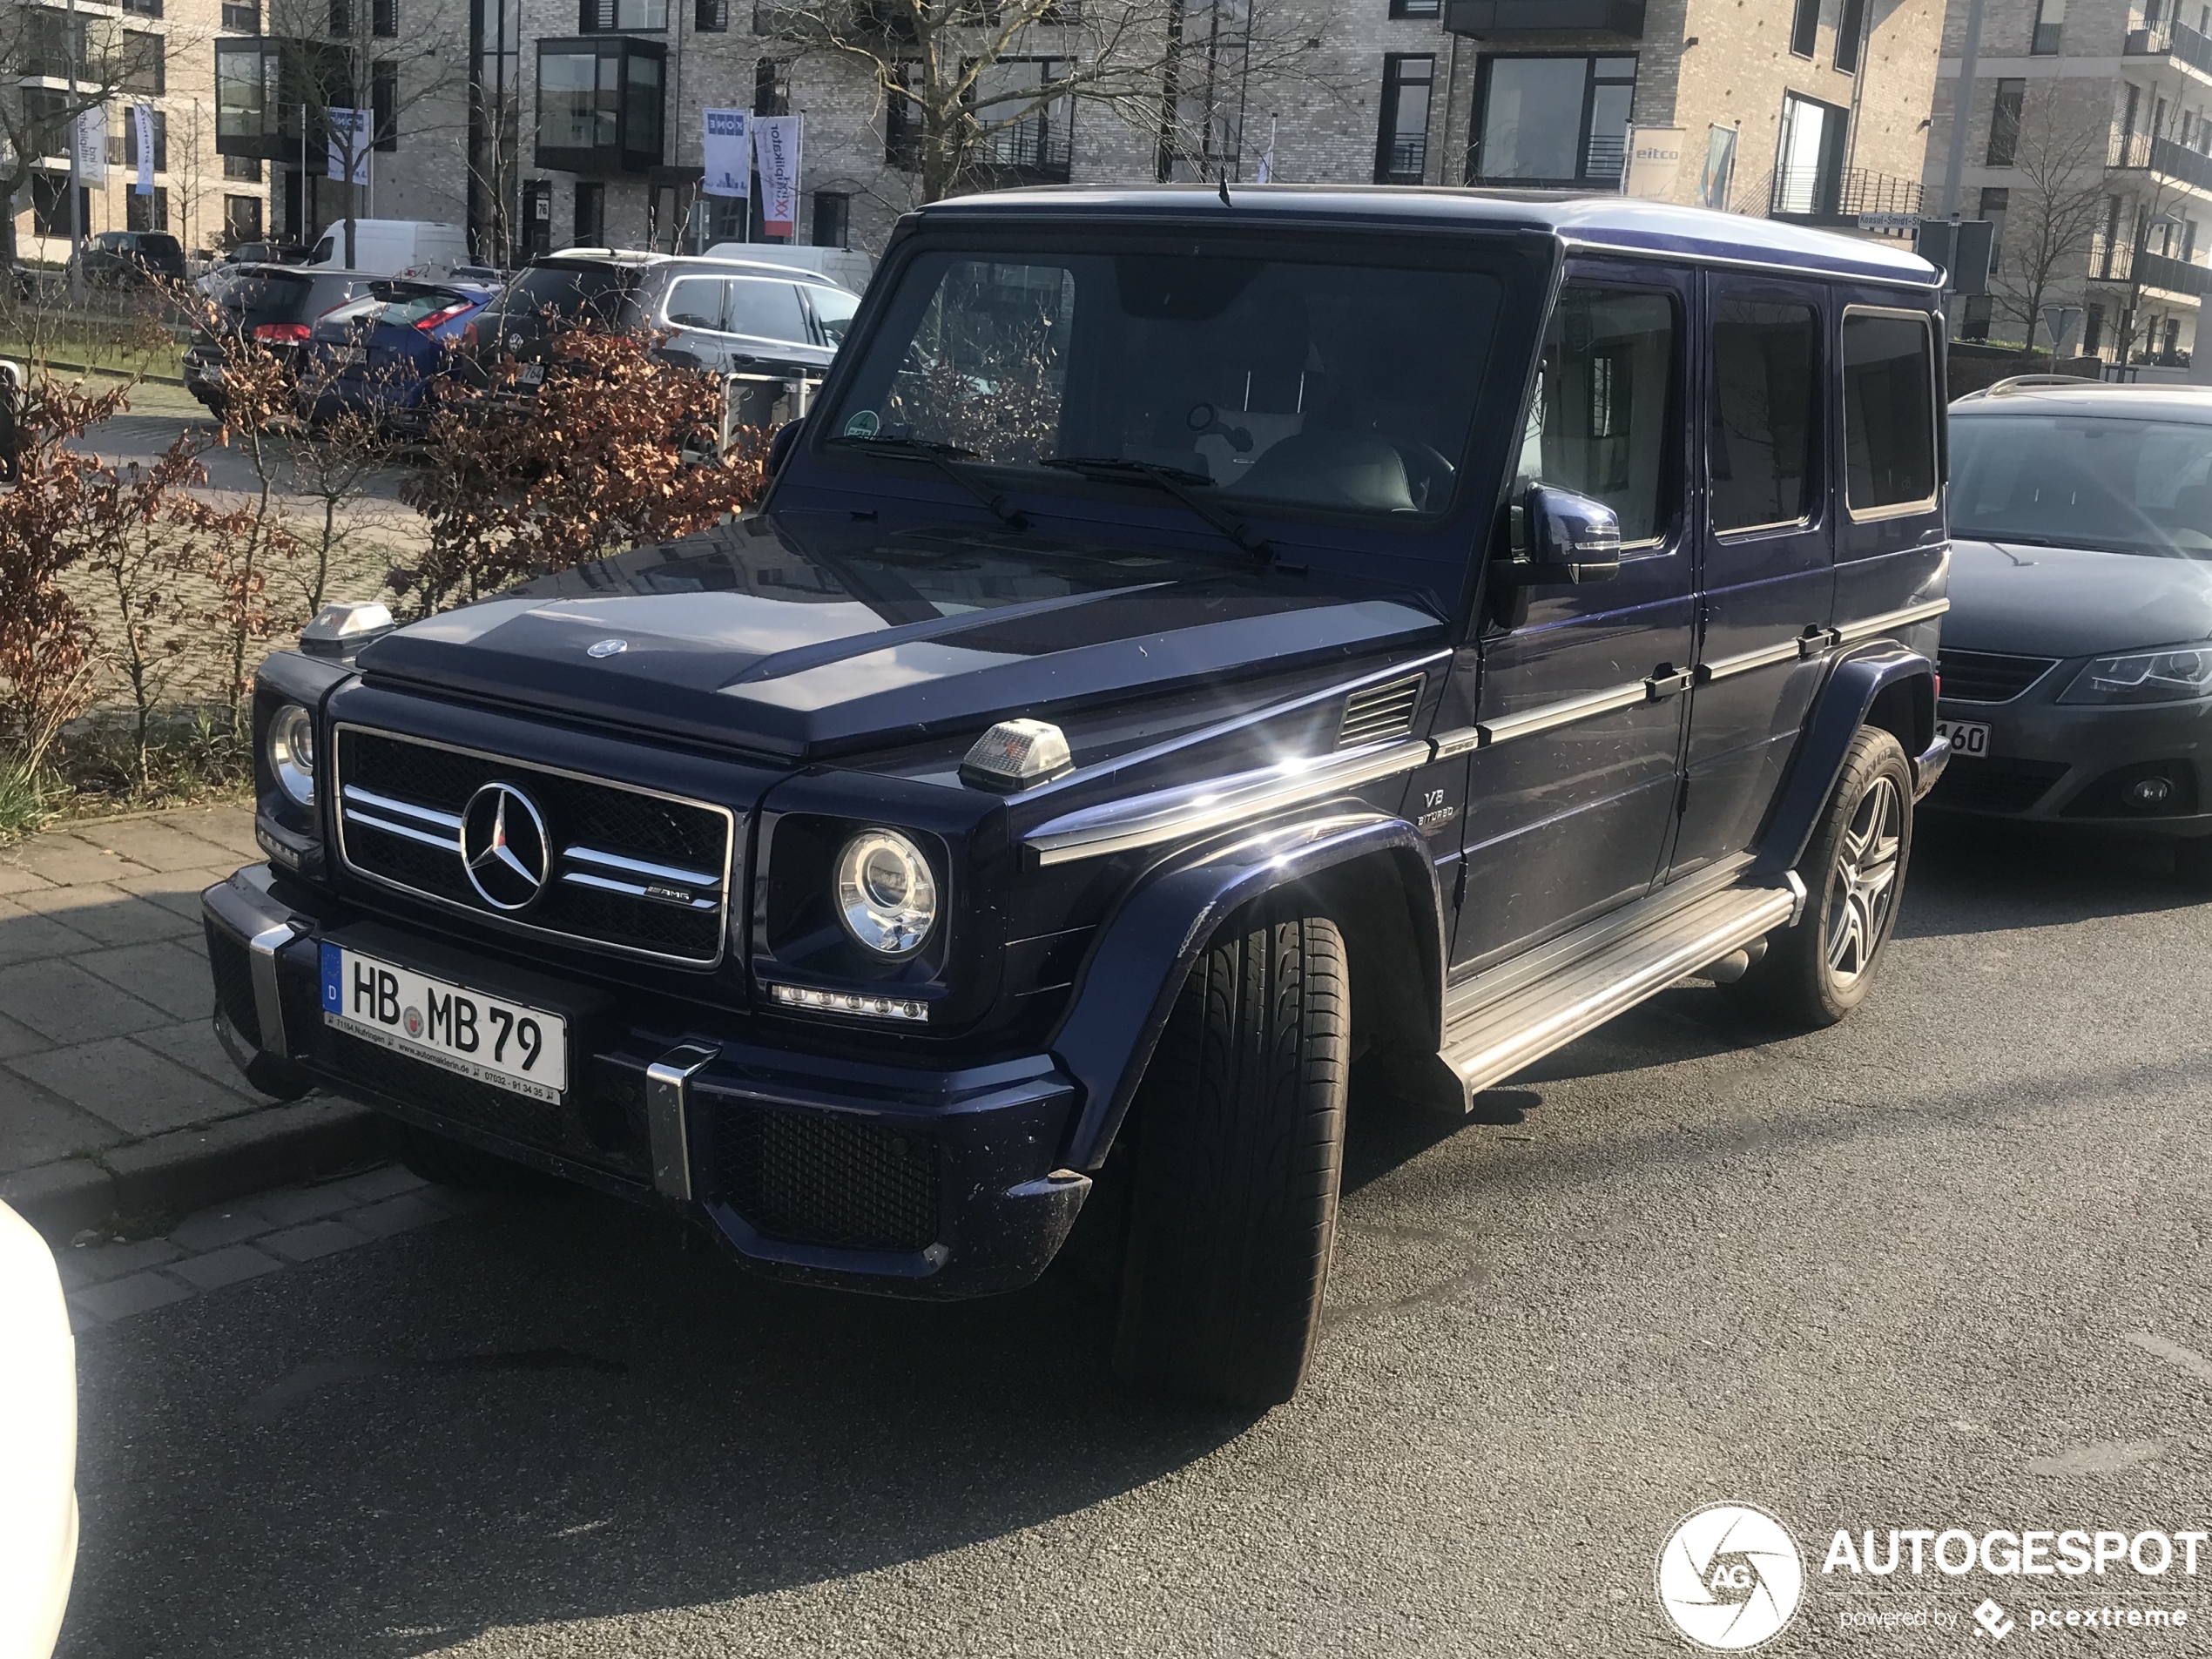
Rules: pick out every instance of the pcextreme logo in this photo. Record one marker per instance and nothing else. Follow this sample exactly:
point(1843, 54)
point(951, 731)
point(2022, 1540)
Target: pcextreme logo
point(1730, 1576)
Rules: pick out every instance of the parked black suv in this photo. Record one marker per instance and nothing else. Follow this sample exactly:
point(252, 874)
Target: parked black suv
point(274, 305)
point(132, 259)
point(1160, 675)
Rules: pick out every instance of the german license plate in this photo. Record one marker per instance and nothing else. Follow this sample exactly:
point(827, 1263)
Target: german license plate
point(348, 357)
point(1968, 736)
point(433, 1020)
point(530, 374)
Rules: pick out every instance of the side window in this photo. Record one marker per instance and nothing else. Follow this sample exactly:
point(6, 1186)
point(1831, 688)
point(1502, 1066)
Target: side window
point(1759, 454)
point(1600, 421)
point(696, 302)
point(1889, 411)
point(768, 310)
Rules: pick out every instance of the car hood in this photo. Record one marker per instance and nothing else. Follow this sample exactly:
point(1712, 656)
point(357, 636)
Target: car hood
point(2072, 602)
point(802, 639)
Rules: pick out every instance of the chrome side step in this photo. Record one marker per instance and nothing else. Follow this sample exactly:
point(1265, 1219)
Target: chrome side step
point(1491, 1032)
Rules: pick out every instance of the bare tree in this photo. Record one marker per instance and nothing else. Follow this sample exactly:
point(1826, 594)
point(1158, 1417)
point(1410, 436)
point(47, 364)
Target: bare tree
point(2051, 217)
point(977, 90)
point(97, 57)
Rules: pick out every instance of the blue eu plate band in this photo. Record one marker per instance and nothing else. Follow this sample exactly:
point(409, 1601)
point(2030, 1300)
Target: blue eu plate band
point(667, 1089)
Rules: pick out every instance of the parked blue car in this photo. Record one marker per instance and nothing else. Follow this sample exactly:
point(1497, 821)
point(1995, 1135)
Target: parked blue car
point(383, 354)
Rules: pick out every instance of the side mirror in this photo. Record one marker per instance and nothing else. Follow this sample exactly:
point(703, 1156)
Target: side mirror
point(781, 445)
point(1569, 538)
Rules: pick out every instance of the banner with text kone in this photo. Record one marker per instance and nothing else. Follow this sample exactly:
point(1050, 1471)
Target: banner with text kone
point(349, 145)
point(775, 142)
point(728, 161)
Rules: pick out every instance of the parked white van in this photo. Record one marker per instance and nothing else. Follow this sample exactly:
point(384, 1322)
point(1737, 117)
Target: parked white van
point(846, 267)
point(400, 248)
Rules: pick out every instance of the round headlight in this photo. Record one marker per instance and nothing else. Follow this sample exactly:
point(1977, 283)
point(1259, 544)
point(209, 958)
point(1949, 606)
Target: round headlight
point(885, 893)
point(291, 745)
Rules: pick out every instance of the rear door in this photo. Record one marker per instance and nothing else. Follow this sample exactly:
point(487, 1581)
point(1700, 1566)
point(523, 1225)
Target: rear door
point(696, 312)
point(1766, 568)
point(1571, 796)
point(767, 320)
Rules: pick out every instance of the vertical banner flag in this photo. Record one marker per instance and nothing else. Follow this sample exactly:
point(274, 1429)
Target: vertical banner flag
point(1267, 158)
point(775, 140)
point(729, 154)
point(350, 137)
point(88, 138)
point(1719, 177)
point(1654, 158)
point(142, 126)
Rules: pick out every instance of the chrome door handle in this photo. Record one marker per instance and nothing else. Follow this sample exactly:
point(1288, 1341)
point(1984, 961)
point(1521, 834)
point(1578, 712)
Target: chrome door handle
point(1668, 681)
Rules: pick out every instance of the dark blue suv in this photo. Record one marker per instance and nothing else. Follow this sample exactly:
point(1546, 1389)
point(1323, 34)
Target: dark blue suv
point(1197, 642)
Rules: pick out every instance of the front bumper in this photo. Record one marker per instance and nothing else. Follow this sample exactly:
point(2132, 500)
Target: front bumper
point(926, 1182)
point(2067, 762)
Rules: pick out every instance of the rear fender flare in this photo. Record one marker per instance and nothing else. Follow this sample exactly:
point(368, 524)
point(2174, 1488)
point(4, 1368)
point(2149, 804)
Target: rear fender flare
point(1145, 949)
point(1885, 685)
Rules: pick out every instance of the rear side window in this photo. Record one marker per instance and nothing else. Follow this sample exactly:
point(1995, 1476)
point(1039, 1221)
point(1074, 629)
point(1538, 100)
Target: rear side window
point(1889, 413)
point(1599, 420)
point(1766, 398)
point(696, 302)
point(768, 310)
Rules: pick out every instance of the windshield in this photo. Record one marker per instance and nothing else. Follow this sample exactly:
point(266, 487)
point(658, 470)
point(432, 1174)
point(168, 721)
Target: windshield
point(1275, 380)
point(2118, 486)
point(833, 309)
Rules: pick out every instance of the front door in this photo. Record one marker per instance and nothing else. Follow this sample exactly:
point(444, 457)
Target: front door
point(1766, 566)
point(1571, 797)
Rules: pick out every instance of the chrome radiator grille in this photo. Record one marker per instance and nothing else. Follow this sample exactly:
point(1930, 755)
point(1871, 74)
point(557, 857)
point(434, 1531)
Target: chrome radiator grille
point(601, 863)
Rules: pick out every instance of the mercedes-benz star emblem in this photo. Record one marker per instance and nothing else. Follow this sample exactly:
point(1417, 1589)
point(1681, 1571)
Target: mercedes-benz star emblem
point(607, 648)
point(504, 848)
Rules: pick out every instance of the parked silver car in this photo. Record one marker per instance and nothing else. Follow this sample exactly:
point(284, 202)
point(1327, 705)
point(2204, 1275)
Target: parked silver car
point(2077, 658)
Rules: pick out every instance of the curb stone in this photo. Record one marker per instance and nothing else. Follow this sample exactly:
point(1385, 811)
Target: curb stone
point(138, 1188)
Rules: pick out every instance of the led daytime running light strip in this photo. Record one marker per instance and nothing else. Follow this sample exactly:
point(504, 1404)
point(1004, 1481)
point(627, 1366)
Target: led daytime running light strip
point(873, 1008)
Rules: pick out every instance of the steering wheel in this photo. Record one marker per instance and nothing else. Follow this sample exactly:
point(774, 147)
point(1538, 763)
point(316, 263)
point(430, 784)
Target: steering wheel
point(1429, 475)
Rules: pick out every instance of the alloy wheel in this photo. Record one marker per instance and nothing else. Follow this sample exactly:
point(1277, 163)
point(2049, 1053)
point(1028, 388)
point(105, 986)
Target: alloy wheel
point(1862, 887)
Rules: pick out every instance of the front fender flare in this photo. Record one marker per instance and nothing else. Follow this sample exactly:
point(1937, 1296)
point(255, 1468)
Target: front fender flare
point(1846, 700)
point(1145, 949)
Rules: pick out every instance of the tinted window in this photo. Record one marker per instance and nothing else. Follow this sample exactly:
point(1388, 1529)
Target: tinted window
point(696, 302)
point(1889, 411)
point(769, 310)
point(270, 297)
point(2118, 486)
point(833, 309)
point(566, 292)
point(1759, 455)
point(1599, 419)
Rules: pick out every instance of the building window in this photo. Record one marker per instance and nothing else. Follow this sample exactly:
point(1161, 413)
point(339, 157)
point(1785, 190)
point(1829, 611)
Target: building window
point(832, 218)
point(1995, 200)
point(341, 19)
point(537, 218)
point(384, 106)
point(2050, 25)
point(142, 8)
point(712, 17)
point(1805, 27)
point(2004, 122)
point(1808, 172)
point(1975, 317)
point(146, 213)
point(241, 220)
point(145, 62)
point(1850, 36)
point(590, 215)
point(2093, 330)
point(160, 142)
point(771, 87)
point(50, 203)
point(599, 105)
point(902, 122)
point(1401, 136)
point(241, 16)
point(1547, 120)
point(46, 129)
point(1039, 147)
point(384, 19)
point(248, 169)
point(622, 16)
point(1416, 8)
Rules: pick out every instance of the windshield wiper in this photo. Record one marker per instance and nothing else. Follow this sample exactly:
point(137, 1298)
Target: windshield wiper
point(1176, 481)
point(942, 456)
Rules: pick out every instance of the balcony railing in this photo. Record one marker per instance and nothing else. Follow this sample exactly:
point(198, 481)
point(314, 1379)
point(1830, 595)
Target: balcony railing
point(2123, 262)
point(2140, 153)
point(1799, 192)
point(1038, 150)
point(2175, 40)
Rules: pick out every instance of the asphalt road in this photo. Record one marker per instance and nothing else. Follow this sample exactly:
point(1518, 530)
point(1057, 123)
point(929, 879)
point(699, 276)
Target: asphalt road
point(1944, 1265)
point(142, 437)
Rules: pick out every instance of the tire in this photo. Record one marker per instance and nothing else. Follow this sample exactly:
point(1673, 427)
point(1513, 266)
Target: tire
point(2193, 864)
point(1240, 1149)
point(444, 1162)
point(1817, 972)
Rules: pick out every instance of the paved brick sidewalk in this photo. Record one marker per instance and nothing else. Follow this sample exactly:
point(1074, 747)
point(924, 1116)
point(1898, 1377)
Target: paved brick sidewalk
point(110, 1076)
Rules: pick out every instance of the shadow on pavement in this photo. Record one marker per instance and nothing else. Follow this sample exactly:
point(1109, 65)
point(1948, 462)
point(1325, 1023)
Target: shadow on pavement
point(553, 1410)
point(1971, 876)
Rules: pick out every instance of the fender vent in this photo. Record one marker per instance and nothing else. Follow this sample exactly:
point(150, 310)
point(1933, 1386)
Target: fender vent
point(1380, 711)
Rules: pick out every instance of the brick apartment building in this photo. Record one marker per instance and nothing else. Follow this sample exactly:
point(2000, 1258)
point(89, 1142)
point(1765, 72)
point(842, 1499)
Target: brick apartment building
point(168, 45)
point(585, 125)
point(2098, 104)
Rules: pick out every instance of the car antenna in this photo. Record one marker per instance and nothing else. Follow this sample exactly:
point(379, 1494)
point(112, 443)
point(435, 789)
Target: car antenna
point(1221, 178)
